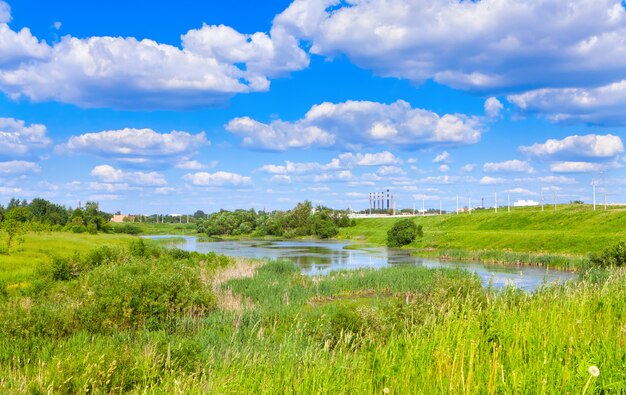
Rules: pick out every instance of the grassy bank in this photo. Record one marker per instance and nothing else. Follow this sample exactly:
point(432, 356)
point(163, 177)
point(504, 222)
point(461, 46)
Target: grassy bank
point(20, 265)
point(526, 235)
point(146, 320)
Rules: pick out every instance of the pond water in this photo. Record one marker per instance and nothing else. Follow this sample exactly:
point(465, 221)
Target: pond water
point(321, 257)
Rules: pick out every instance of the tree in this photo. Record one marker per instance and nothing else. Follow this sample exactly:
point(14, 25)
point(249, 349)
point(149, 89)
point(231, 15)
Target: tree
point(199, 214)
point(14, 225)
point(403, 232)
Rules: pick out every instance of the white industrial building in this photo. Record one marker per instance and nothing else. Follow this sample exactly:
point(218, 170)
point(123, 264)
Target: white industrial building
point(525, 203)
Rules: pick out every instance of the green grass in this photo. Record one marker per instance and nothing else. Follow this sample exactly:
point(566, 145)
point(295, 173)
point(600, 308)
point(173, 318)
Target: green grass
point(572, 230)
point(167, 229)
point(19, 266)
point(405, 329)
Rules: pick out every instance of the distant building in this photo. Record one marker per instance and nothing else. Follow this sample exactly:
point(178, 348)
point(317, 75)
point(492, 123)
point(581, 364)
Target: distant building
point(525, 203)
point(118, 218)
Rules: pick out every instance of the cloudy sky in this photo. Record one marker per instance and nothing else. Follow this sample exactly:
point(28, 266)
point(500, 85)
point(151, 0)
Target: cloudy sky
point(207, 105)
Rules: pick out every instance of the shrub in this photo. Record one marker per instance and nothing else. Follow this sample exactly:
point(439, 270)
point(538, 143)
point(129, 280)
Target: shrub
point(403, 232)
point(128, 229)
point(92, 229)
point(614, 256)
point(78, 229)
point(63, 269)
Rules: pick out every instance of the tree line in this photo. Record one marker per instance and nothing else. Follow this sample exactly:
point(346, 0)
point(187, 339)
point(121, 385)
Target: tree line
point(302, 220)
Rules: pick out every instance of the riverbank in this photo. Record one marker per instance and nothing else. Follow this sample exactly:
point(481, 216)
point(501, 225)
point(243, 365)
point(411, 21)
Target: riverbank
point(140, 319)
point(560, 239)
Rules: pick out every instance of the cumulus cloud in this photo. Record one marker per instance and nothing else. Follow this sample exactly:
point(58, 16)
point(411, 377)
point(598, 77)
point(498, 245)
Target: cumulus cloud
point(18, 139)
point(194, 165)
point(390, 171)
point(343, 161)
point(468, 168)
point(444, 168)
point(370, 159)
point(509, 166)
point(443, 157)
point(139, 147)
point(212, 64)
point(358, 123)
point(493, 107)
point(501, 48)
point(343, 175)
point(18, 167)
point(487, 180)
point(602, 105)
point(581, 167)
point(110, 174)
point(218, 179)
point(591, 146)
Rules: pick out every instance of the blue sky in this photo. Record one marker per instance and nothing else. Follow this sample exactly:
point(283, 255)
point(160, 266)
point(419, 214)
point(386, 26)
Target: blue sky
point(159, 107)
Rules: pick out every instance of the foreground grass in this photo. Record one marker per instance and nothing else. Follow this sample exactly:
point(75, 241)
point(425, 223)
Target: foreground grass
point(145, 320)
point(571, 231)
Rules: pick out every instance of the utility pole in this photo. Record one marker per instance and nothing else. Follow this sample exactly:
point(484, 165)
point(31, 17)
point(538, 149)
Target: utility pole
point(495, 198)
point(593, 184)
point(457, 204)
point(440, 210)
point(423, 206)
point(469, 205)
point(604, 200)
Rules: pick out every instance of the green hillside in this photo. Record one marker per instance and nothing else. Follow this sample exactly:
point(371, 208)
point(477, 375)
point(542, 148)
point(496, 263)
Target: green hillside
point(570, 230)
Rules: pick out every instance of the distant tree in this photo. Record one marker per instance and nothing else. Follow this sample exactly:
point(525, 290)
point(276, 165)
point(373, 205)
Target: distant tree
point(199, 214)
point(403, 232)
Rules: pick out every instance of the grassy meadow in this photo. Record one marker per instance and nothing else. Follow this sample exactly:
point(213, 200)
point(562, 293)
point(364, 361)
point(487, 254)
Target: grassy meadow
point(141, 319)
point(525, 235)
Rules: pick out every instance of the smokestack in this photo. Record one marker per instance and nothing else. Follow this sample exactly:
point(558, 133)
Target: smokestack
point(388, 207)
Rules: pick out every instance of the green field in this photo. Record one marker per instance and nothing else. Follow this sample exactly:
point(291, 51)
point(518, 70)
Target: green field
point(572, 230)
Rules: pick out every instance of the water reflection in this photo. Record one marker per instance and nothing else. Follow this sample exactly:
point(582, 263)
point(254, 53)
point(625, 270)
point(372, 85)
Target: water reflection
point(322, 257)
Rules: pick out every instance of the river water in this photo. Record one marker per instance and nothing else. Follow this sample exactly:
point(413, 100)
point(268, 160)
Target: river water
point(321, 257)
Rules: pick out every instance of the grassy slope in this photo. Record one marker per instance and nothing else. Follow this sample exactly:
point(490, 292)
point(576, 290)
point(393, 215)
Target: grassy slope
point(573, 230)
point(20, 264)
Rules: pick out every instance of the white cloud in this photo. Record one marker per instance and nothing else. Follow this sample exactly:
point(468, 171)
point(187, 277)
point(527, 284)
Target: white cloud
point(343, 175)
point(57, 25)
point(278, 135)
point(164, 190)
point(110, 187)
point(493, 107)
point(17, 139)
point(218, 179)
point(354, 124)
point(390, 171)
point(602, 105)
point(10, 191)
point(110, 174)
point(581, 167)
point(281, 179)
point(18, 167)
point(5, 12)
point(547, 180)
point(468, 168)
point(509, 166)
point(576, 147)
point(375, 159)
point(343, 161)
point(520, 191)
point(491, 180)
point(443, 157)
point(212, 64)
point(444, 168)
point(195, 165)
point(138, 146)
point(501, 46)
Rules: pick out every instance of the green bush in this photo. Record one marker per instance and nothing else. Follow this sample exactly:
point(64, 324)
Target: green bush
point(403, 232)
point(128, 229)
point(78, 229)
point(614, 256)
